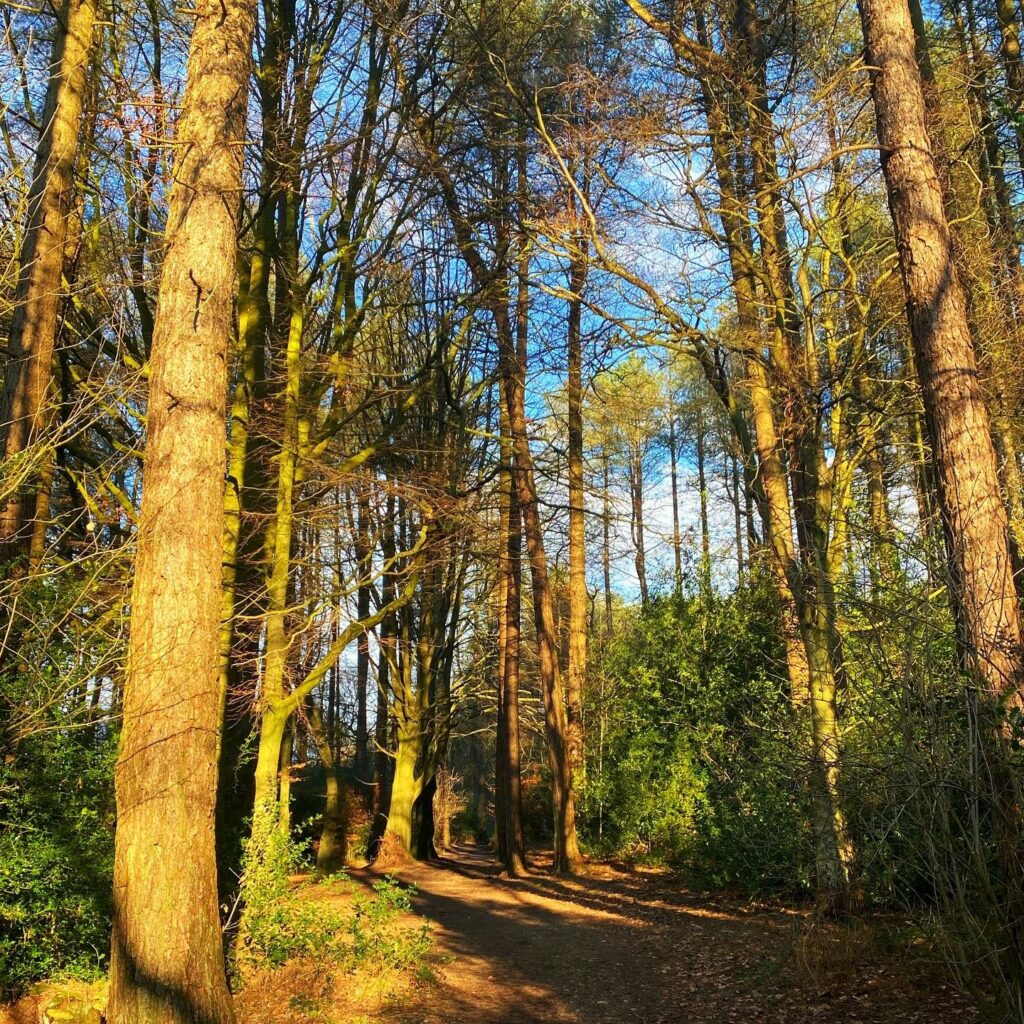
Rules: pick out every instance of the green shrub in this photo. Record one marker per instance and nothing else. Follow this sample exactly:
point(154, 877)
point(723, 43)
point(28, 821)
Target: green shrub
point(699, 765)
point(56, 858)
point(375, 938)
point(283, 922)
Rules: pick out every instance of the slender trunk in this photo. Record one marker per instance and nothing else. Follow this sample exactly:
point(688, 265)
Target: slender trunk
point(705, 529)
point(677, 546)
point(166, 776)
point(606, 545)
point(363, 553)
point(284, 775)
point(275, 713)
point(567, 854)
point(737, 502)
point(636, 494)
point(884, 557)
point(501, 615)
point(388, 648)
point(37, 300)
point(577, 667)
point(511, 797)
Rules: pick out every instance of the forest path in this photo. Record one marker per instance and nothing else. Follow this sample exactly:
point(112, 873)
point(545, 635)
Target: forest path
point(632, 947)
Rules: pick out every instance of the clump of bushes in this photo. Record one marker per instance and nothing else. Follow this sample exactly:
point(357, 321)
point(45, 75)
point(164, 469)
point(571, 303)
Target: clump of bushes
point(56, 858)
point(699, 759)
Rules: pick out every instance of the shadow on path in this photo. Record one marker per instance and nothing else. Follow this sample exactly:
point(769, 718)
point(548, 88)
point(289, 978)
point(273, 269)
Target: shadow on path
point(629, 948)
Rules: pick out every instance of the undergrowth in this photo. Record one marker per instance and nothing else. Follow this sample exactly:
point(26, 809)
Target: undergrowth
point(328, 928)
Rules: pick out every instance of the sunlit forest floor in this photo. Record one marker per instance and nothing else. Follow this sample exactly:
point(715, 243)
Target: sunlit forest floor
point(619, 946)
point(623, 946)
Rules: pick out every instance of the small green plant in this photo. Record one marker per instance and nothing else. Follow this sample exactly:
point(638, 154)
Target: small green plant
point(281, 922)
point(375, 937)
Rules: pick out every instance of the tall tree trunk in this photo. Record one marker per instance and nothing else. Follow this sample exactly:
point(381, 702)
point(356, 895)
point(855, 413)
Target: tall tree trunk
point(363, 553)
point(509, 803)
point(578, 601)
point(166, 778)
point(606, 540)
point(974, 517)
point(964, 457)
point(37, 299)
point(387, 657)
point(567, 853)
point(501, 616)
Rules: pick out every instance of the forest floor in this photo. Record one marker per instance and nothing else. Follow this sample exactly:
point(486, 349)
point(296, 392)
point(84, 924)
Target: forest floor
point(618, 946)
point(632, 947)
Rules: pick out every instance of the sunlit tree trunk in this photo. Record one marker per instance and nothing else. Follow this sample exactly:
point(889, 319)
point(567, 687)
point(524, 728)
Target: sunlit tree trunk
point(509, 803)
point(567, 853)
point(363, 552)
point(500, 595)
point(578, 601)
point(166, 775)
point(406, 782)
point(37, 301)
point(974, 515)
point(387, 660)
point(331, 853)
point(964, 457)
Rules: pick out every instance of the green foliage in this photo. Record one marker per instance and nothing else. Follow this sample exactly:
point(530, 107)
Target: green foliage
point(56, 857)
point(699, 743)
point(283, 922)
point(375, 939)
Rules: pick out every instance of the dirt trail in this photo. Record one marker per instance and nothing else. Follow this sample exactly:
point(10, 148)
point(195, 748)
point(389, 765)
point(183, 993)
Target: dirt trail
point(623, 947)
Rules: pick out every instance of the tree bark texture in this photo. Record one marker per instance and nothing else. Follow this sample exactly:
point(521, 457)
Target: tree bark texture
point(964, 458)
point(168, 965)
